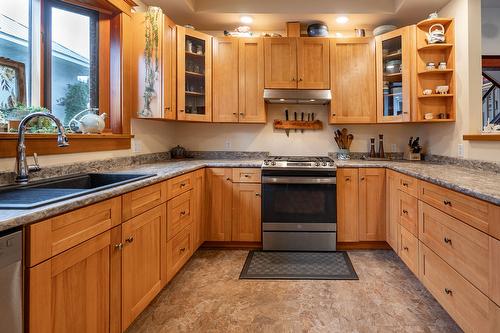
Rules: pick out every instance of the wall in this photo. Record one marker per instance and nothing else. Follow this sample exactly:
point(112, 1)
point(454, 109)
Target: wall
point(150, 137)
point(263, 137)
point(490, 31)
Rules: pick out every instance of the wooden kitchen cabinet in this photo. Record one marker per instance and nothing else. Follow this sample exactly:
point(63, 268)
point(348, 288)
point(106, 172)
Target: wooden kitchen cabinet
point(347, 205)
point(194, 75)
point(251, 108)
point(199, 214)
point(280, 61)
point(77, 290)
point(246, 220)
point(220, 198)
point(144, 269)
point(313, 63)
point(392, 209)
point(394, 51)
point(353, 80)
point(169, 69)
point(225, 78)
point(372, 204)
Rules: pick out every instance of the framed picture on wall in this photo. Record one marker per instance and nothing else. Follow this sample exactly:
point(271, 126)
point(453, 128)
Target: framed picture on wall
point(12, 83)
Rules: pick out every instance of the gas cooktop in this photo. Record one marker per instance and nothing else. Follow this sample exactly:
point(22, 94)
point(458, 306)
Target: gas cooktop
point(298, 162)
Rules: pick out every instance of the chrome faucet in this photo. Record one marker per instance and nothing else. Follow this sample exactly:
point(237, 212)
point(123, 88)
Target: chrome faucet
point(22, 167)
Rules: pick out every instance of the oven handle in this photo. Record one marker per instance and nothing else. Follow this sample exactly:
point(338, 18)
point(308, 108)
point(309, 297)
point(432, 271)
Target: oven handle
point(299, 180)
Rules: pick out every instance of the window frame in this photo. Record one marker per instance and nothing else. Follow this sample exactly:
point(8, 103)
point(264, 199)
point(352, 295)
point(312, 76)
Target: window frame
point(47, 50)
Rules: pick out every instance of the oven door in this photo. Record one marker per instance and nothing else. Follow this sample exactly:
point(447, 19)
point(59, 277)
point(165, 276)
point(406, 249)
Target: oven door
point(303, 200)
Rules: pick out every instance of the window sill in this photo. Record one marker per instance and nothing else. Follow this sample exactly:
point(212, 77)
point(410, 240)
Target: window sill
point(482, 137)
point(46, 144)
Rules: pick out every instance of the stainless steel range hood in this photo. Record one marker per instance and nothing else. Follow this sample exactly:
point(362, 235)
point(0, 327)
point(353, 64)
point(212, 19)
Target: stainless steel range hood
point(297, 96)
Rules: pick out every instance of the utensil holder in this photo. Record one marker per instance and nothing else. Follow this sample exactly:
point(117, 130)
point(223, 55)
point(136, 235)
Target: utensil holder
point(344, 154)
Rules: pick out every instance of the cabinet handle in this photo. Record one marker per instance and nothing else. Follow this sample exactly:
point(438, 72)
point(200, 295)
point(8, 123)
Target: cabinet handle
point(334, 114)
point(242, 114)
point(405, 184)
point(130, 239)
point(181, 110)
point(293, 79)
point(183, 213)
point(183, 184)
point(167, 108)
point(246, 176)
point(447, 240)
point(405, 248)
point(182, 249)
point(347, 179)
point(448, 291)
point(228, 179)
point(234, 113)
point(300, 80)
point(257, 194)
point(362, 178)
point(447, 203)
point(119, 246)
point(405, 212)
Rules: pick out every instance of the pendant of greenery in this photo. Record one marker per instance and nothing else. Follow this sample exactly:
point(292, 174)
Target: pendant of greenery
point(151, 58)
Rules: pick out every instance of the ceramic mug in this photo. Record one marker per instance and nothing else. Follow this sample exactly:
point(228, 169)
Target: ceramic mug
point(430, 66)
point(428, 116)
point(427, 92)
point(443, 90)
point(442, 65)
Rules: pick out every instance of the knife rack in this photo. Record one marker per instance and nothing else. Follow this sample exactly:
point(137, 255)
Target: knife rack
point(297, 124)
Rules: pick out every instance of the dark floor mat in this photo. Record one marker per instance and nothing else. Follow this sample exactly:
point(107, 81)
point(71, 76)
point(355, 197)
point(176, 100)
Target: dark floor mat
point(298, 266)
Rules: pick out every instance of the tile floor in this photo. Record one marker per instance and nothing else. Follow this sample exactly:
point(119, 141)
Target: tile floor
point(206, 296)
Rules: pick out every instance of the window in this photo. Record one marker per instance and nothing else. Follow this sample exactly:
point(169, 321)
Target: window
point(71, 59)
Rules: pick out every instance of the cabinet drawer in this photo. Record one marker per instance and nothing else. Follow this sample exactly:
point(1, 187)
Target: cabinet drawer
point(179, 185)
point(246, 175)
point(464, 248)
point(408, 212)
point(408, 249)
point(141, 200)
point(179, 250)
point(470, 308)
point(465, 208)
point(408, 185)
point(179, 213)
point(53, 236)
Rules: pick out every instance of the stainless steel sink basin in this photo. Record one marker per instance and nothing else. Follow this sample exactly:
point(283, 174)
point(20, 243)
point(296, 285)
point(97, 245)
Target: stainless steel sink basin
point(48, 191)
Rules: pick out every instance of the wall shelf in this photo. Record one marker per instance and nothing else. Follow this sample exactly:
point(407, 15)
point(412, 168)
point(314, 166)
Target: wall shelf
point(428, 22)
point(437, 46)
point(297, 124)
point(436, 71)
point(436, 96)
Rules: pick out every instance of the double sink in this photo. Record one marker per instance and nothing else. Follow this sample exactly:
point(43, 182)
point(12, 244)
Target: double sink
point(52, 190)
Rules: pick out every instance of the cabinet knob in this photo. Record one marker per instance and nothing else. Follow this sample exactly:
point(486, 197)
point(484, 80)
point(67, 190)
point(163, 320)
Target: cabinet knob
point(182, 249)
point(448, 291)
point(334, 114)
point(242, 114)
point(234, 113)
point(447, 203)
point(447, 240)
point(228, 179)
point(183, 184)
point(118, 246)
point(300, 80)
point(405, 212)
point(167, 108)
point(347, 179)
point(183, 213)
point(130, 239)
point(405, 248)
point(293, 79)
point(181, 110)
point(405, 184)
point(257, 194)
point(362, 178)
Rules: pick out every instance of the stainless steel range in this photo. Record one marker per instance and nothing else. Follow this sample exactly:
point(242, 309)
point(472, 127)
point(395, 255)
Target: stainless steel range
point(299, 211)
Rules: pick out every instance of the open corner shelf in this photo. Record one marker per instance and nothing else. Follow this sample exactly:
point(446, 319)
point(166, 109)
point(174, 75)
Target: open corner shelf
point(437, 46)
point(428, 22)
point(436, 71)
point(436, 96)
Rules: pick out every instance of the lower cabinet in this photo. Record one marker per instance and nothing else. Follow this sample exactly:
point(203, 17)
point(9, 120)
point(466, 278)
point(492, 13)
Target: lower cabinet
point(179, 250)
point(392, 209)
point(76, 291)
point(220, 198)
point(246, 225)
point(361, 204)
point(143, 261)
point(408, 249)
point(199, 203)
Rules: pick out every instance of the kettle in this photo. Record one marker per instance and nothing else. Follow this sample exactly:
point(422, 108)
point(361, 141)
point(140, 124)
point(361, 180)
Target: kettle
point(178, 152)
point(436, 34)
point(92, 122)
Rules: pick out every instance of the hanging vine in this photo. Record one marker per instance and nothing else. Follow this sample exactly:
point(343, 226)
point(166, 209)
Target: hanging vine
point(151, 58)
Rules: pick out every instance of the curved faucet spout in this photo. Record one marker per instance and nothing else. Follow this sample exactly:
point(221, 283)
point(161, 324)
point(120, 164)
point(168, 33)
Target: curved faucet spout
point(22, 168)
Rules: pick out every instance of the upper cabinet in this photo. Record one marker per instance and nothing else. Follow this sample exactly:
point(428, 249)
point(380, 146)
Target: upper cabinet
point(169, 69)
point(292, 63)
point(352, 72)
point(393, 53)
point(238, 80)
point(194, 75)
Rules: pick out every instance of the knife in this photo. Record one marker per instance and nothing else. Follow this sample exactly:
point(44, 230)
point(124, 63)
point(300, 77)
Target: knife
point(312, 116)
point(295, 117)
point(287, 131)
point(302, 119)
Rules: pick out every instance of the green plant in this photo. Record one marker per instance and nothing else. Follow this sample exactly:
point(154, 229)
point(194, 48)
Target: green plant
point(151, 57)
point(76, 99)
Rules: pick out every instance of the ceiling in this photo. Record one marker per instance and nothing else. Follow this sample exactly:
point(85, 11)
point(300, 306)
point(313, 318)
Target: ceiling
point(271, 15)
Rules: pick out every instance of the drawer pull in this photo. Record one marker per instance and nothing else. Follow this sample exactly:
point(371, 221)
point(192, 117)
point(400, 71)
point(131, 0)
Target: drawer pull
point(447, 203)
point(347, 179)
point(257, 194)
point(405, 248)
point(362, 178)
point(119, 246)
point(448, 291)
point(405, 184)
point(447, 240)
point(247, 176)
point(183, 212)
point(183, 184)
point(405, 212)
point(228, 179)
point(182, 249)
point(130, 239)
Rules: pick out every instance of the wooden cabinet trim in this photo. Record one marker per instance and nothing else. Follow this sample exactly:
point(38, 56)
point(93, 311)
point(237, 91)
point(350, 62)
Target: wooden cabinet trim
point(143, 199)
point(179, 213)
point(347, 205)
point(179, 250)
point(408, 212)
point(179, 185)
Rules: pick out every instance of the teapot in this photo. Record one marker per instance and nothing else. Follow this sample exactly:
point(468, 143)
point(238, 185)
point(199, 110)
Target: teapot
point(436, 34)
point(92, 122)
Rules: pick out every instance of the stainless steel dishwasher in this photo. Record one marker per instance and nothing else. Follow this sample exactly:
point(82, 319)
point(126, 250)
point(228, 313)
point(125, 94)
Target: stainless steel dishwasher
point(11, 282)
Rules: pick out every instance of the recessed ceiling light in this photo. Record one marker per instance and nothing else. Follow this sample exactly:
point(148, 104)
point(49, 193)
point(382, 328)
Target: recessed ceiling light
point(342, 19)
point(282, 99)
point(312, 100)
point(246, 19)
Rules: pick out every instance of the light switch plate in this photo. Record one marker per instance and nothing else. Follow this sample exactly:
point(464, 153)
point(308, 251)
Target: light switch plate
point(227, 143)
point(461, 153)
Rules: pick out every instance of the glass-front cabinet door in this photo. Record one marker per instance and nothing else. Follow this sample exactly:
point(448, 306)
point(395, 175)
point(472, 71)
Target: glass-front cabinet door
point(194, 66)
point(393, 54)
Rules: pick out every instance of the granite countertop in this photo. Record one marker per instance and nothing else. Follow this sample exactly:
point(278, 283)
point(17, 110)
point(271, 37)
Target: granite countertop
point(480, 184)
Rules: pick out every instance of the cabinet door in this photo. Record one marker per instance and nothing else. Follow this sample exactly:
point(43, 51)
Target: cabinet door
point(246, 212)
point(194, 75)
point(199, 208)
point(313, 63)
point(392, 208)
point(280, 62)
point(251, 81)
point(169, 69)
point(144, 240)
point(220, 197)
point(74, 291)
point(371, 204)
point(225, 87)
point(393, 54)
point(347, 205)
point(352, 75)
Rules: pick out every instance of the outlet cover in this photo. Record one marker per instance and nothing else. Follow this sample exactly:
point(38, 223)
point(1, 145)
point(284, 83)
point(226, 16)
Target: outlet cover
point(136, 146)
point(461, 153)
point(227, 144)
point(394, 148)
